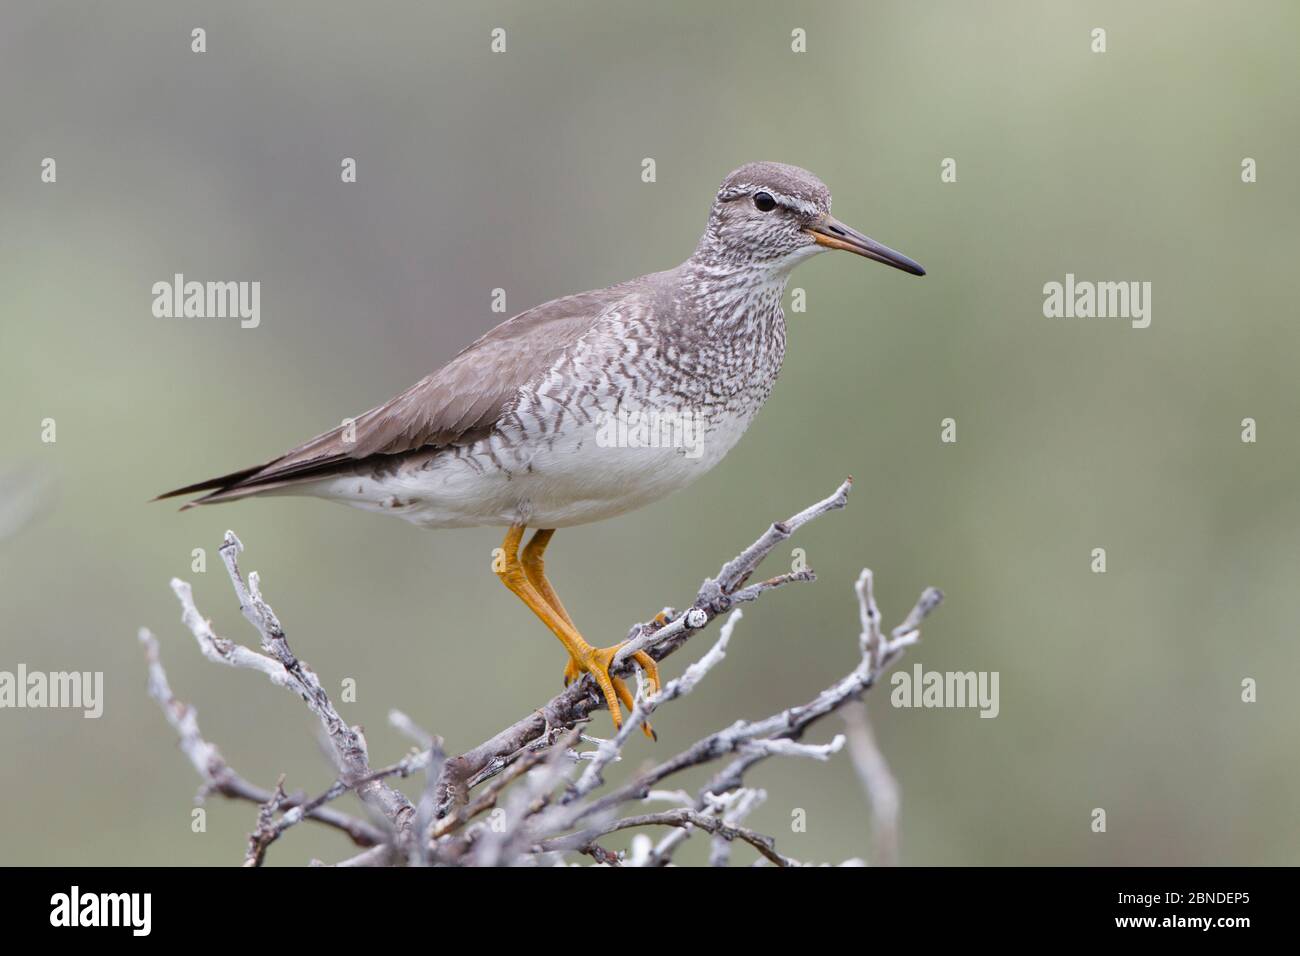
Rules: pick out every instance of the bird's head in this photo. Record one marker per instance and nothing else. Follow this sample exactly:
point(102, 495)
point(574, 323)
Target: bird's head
point(771, 216)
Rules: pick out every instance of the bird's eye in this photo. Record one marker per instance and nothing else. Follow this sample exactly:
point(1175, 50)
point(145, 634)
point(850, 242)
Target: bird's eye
point(764, 202)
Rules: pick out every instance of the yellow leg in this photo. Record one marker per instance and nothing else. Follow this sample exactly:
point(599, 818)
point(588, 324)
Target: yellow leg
point(525, 575)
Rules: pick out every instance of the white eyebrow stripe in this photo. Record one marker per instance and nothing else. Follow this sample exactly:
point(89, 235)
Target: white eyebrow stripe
point(744, 189)
point(798, 204)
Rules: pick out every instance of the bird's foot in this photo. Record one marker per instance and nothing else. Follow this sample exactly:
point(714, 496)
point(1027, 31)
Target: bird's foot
point(596, 661)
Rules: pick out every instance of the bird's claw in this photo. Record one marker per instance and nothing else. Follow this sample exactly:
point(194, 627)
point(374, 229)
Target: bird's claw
point(596, 662)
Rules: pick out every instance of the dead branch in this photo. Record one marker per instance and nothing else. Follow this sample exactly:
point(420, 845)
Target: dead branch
point(542, 801)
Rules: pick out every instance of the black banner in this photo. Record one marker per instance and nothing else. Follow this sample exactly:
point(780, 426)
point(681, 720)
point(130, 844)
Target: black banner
point(330, 905)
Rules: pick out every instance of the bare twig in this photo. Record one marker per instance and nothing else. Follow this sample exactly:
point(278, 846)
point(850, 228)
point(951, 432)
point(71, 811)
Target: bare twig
point(542, 798)
point(217, 775)
point(681, 817)
point(610, 749)
point(877, 782)
point(348, 744)
point(266, 831)
point(716, 596)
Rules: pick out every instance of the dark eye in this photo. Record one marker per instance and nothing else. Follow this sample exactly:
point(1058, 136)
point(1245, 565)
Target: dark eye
point(764, 202)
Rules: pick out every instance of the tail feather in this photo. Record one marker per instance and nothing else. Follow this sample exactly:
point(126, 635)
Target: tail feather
point(260, 479)
point(221, 483)
point(237, 491)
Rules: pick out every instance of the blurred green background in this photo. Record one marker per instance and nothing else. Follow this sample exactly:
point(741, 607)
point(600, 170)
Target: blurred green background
point(1118, 690)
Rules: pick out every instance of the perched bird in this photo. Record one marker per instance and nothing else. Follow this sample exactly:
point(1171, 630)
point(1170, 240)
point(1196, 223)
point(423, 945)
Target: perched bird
point(557, 416)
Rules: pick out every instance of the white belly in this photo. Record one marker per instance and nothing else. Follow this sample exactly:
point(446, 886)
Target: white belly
point(583, 475)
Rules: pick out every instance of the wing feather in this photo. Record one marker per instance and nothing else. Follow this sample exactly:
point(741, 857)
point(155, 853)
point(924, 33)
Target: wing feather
point(460, 402)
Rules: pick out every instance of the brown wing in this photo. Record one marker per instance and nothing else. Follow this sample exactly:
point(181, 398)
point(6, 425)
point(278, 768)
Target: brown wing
point(460, 402)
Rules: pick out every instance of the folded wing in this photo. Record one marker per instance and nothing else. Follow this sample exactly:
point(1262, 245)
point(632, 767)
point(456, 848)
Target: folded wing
point(459, 403)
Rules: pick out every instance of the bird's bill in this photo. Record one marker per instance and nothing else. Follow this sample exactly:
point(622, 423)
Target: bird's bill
point(833, 234)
